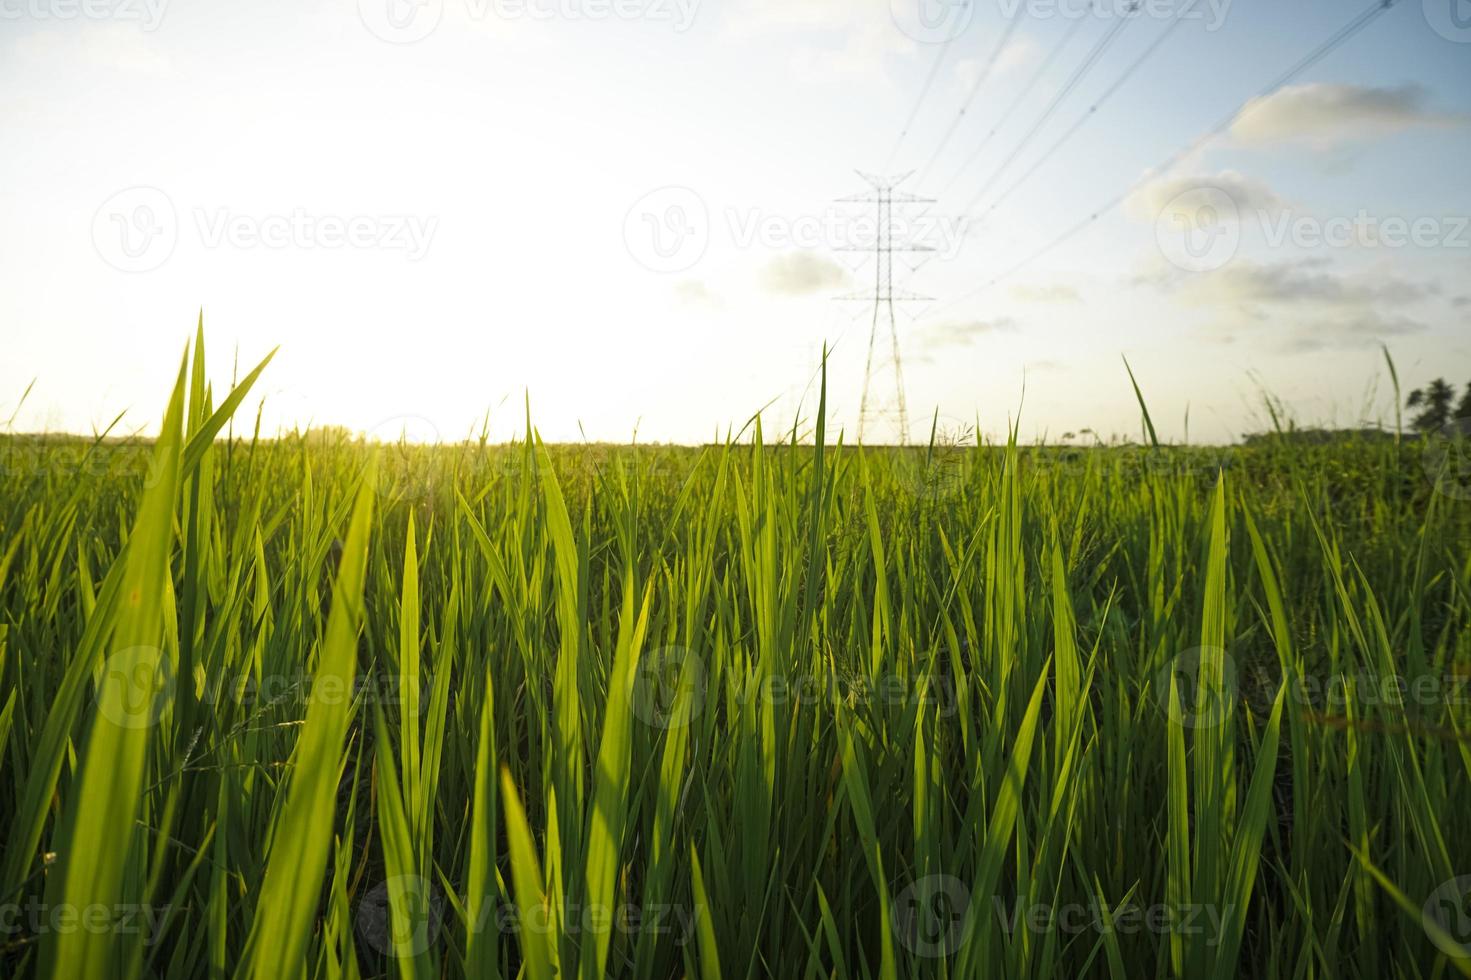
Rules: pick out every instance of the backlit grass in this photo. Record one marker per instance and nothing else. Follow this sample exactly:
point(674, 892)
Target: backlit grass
point(310, 707)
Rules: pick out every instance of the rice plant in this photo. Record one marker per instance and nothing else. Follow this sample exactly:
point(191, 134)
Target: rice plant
point(788, 707)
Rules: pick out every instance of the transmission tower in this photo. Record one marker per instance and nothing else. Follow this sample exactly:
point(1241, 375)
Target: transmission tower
point(874, 407)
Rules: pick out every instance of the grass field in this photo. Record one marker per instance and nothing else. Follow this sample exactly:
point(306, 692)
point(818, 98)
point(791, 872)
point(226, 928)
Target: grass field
point(301, 707)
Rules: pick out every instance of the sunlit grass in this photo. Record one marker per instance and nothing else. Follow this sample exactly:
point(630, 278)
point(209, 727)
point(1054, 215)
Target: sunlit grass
point(314, 707)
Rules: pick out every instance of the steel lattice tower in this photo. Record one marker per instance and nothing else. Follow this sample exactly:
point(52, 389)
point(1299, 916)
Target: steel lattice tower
point(884, 196)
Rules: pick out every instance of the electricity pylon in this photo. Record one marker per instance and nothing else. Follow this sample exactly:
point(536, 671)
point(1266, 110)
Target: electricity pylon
point(873, 407)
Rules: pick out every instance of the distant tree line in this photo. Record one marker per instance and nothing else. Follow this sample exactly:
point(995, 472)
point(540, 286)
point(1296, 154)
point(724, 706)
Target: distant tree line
point(1434, 404)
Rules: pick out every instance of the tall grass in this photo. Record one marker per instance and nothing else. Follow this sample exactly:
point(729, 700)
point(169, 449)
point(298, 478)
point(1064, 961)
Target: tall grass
point(307, 707)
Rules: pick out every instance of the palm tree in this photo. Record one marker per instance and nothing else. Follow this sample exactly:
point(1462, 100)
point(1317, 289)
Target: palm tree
point(1434, 403)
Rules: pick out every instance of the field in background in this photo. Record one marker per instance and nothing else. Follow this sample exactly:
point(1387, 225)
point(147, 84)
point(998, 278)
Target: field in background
point(310, 708)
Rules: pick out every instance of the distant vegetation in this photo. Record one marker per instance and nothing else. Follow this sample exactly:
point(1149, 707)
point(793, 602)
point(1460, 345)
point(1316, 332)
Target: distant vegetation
point(1434, 405)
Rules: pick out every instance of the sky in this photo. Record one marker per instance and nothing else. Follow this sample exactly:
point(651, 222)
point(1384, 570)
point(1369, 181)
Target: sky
point(629, 212)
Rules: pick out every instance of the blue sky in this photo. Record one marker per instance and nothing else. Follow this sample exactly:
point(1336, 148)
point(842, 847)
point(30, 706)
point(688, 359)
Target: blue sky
point(434, 209)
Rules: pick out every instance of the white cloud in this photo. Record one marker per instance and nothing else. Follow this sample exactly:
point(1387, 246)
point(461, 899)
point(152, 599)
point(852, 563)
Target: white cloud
point(751, 16)
point(1017, 54)
point(1367, 329)
point(963, 331)
point(693, 292)
point(1306, 304)
point(801, 274)
point(1161, 198)
point(1323, 115)
point(1306, 283)
point(831, 40)
point(1045, 293)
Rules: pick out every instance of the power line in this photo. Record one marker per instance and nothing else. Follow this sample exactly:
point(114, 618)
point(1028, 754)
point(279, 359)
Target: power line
point(1072, 83)
point(924, 92)
point(1343, 35)
point(1016, 103)
point(1092, 110)
point(974, 90)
